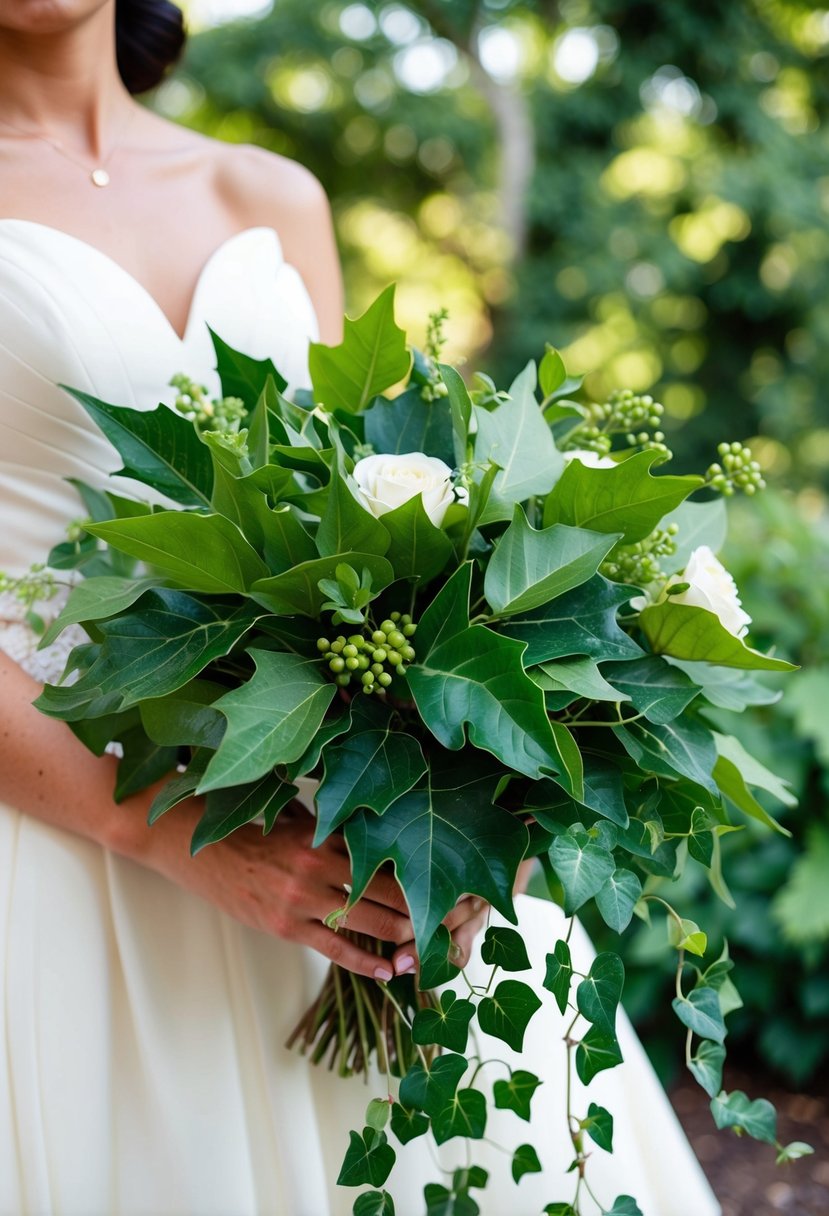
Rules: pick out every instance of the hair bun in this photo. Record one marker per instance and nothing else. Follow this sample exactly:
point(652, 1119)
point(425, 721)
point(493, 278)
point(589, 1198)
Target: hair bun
point(149, 38)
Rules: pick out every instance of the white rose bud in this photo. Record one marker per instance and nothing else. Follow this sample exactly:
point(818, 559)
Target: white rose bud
point(386, 482)
point(592, 460)
point(712, 587)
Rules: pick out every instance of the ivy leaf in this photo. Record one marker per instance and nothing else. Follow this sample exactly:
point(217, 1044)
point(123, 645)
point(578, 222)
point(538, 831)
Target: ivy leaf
point(369, 1159)
point(683, 747)
point(227, 810)
point(460, 411)
point(617, 899)
point(464, 1114)
point(182, 786)
point(624, 1206)
point(428, 1087)
point(758, 1119)
point(525, 1161)
point(516, 1093)
point(655, 688)
point(185, 718)
point(202, 552)
point(604, 790)
point(599, 1126)
point(418, 548)
point(240, 375)
point(94, 599)
point(727, 687)
point(706, 1066)
point(410, 424)
point(700, 836)
point(559, 1209)
point(516, 437)
point(436, 967)
point(578, 675)
point(700, 1011)
point(271, 719)
point(346, 524)
point(442, 1202)
point(505, 948)
point(687, 935)
point(408, 1124)
point(596, 1052)
point(583, 867)
point(158, 447)
point(793, 1152)
point(581, 622)
point(551, 371)
point(374, 1203)
point(683, 631)
point(599, 994)
point(530, 567)
point(447, 1026)
point(377, 1113)
point(559, 974)
point(142, 763)
point(369, 769)
point(372, 357)
point(626, 499)
point(507, 1013)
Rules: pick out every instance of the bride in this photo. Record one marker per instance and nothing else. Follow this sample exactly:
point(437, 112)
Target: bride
point(146, 996)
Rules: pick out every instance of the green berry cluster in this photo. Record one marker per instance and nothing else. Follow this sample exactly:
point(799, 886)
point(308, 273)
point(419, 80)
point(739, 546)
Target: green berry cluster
point(218, 414)
point(372, 660)
point(638, 564)
point(435, 342)
point(38, 583)
point(737, 471)
point(635, 415)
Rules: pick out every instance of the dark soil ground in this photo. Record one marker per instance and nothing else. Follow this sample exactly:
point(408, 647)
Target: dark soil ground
point(742, 1172)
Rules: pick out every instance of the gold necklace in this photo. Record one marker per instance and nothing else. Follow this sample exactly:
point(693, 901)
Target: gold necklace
point(98, 175)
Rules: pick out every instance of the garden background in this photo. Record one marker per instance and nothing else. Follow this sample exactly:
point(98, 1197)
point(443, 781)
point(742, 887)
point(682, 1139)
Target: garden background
point(646, 186)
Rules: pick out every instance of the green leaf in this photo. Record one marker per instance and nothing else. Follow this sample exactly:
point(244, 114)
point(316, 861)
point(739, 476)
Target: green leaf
point(158, 447)
point(271, 719)
point(476, 678)
point(700, 1011)
point(758, 1119)
point(447, 614)
point(242, 376)
point(695, 634)
point(580, 676)
point(727, 687)
point(626, 499)
point(229, 809)
point(418, 548)
point(655, 688)
point(581, 622)
point(372, 357)
point(142, 763)
point(599, 1126)
point(793, 1152)
point(373, 1203)
point(801, 906)
point(706, 1066)
point(445, 841)
point(516, 437)
point(624, 1206)
point(369, 769)
point(583, 867)
point(202, 552)
point(166, 640)
point(436, 966)
point(530, 567)
point(464, 1114)
point(505, 948)
point(730, 781)
point(516, 1094)
point(182, 786)
point(525, 1161)
point(752, 771)
point(687, 935)
point(94, 599)
point(599, 993)
point(410, 424)
point(559, 974)
point(507, 1013)
point(297, 591)
point(408, 1124)
point(604, 789)
point(185, 718)
point(377, 1113)
point(559, 1209)
point(551, 371)
point(442, 1202)
point(447, 1026)
point(460, 410)
point(369, 1159)
point(596, 1052)
point(683, 746)
point(699, 523)
point(617, 899)
point(346, 524)
point(428, 1087)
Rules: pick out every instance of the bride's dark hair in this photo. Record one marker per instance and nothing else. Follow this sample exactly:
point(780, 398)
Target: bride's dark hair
point(149, 37)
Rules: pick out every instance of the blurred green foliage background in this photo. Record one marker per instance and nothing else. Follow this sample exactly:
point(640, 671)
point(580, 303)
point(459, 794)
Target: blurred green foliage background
point(645, 185)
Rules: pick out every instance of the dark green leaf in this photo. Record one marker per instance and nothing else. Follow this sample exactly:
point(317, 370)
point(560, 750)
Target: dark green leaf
point(706, 1066)
point(369, 1159)
point(559, 974)
point(656, 688)
point(182, 786)
point(447, 1026)
point(185, 718)
point(525, 1161)
point(604, 789)
point(297, 590)
point(581, 622)
point(242, 376)
point(429, 1087)
point(418, 548)
point(346, 524)
point(410, 424)
point(373, 1203)
point(700, 1011)
point(505, 948)
point(464, 1114)
point(617, 899)
point(369, 769)
point(624, 1206)
point(583, 867)
point(683, 747)
point(372, 357)
point(685, 632)
point(408, 1124)
point(229, 809)
point(142, 763)
point(559, 1209)
point(599, 1126)
point(442, 1202)
point(94, 599)
point(516, 1093)
point(596, 1052)
point(758, 1119)
point(436, 967)
point(507, 1013)
point(599, 994)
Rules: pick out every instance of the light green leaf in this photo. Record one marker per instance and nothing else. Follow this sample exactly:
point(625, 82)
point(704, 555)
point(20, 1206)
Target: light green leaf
point(369, 769)
point(687, 935)
point(699, 523)
point(460, 409)
point(599, 993)
point(372, 357)
point(551, 371)
point(271, 719)
point(508, 1012)
point(758, 1119)
point(94, 599)
point(752, 771)
point(685, 632)
point(418, 549)
point(706, 1066)
point(617, 899)
point(529, 567)
point(578, 675)
point(581, 622)
point(626, 499)
point(727, 687)
point(655, 688)
point(583, 867)
point(700, 1011)
point(297, 591)
point(801, 906)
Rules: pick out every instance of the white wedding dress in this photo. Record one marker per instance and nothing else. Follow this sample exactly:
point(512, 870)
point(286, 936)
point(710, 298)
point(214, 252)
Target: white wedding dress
point(142, 1067)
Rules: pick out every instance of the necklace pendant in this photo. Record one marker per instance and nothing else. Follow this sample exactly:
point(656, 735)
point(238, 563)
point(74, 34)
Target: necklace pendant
point(99, 177)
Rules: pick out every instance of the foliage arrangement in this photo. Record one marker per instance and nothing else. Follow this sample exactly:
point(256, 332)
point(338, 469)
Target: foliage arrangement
point(490, 629)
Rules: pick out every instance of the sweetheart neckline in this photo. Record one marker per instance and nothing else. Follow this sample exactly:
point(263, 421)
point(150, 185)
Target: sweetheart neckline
point(107, 258)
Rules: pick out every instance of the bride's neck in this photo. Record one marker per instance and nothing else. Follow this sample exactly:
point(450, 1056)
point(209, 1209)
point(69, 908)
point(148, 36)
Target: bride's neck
point(64, 84)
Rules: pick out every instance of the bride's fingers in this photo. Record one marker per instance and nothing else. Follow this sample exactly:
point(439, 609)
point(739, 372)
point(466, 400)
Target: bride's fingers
point(341, 950)
point(468, 908)
point(378, 920)
point(463, 939)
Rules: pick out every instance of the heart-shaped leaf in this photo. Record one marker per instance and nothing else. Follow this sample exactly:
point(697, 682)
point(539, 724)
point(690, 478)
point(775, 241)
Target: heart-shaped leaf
point(505, 948)
point(758, 1119)
point(369, 1159)
point(706, 1066)
point(559, 974)
point(525, 1161)
point(374, 1203)
point(464, 1114)
point(599, 1126)
point(596, 1052)
point(447, 1026)
point(583, 867)
point(599, 993)
point(617, 899)
point(428, 1087)
point(508, 1012)
point(408, 1124)
point(516, 1093)
point(700, 1011)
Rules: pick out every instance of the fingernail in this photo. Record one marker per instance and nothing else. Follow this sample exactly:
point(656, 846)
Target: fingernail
point(384, 974)
point(477, 904)
point(405, 965)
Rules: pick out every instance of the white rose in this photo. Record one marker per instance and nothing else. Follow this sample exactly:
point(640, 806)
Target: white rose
point(592, 460)
point(712, 587)
point(386, 482)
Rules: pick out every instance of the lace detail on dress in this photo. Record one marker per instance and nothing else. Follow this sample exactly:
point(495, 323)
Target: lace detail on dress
point(20, 642)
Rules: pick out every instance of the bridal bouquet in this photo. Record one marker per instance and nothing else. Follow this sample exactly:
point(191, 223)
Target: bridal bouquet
point(490, 626)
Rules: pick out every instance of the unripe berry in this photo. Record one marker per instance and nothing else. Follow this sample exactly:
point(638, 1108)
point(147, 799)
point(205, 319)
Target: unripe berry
point(323, 644)
point(350, 651)
point(384, 679)
point(377, 668)
point(396, 639)
point(395, 616)
point(337, 645)
point(408, 653)
point(362, 662)
point(388, 627)
point(352, 662)
point(344, 680)
point(378, 637)
point(368, 678)
point(337, 664)
point(379, 655)
point(394, 658)
point(409, 630)
point(405, 619)
point(355, 640)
